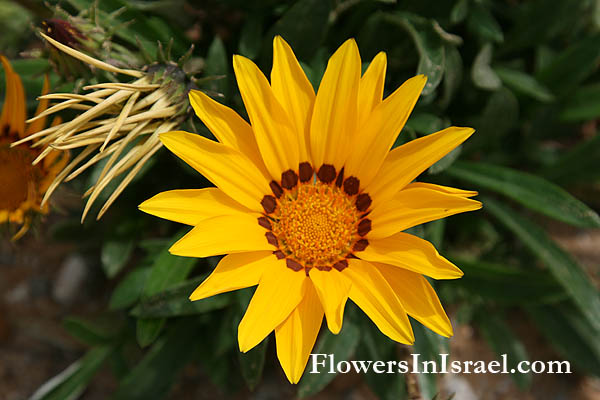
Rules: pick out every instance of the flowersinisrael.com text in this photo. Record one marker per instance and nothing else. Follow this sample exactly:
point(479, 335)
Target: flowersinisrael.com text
point(326, 363)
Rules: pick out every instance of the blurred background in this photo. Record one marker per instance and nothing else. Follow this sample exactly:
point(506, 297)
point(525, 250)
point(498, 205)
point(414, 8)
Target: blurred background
point(99, 309)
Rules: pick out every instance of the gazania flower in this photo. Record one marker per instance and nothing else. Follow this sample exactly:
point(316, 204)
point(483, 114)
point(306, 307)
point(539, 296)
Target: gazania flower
point(311, 203)
point(22, 185)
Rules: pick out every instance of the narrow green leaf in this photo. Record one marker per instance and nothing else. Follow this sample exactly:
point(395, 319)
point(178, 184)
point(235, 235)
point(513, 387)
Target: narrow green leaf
point(530, 190)
point(252, 364)
point(94, 331)
point(129, 289)
point(163, 306)
point(453, 74)
point(114, 256)
point(482, 73)
point(155, 374)
point(251, 36)
point(524, 83)
point(459, 11)
point(342, 346)
point(504, 342)
point(558, 325)
point(572, 66)
point(579, 164)
point(429, 346)
point(71, 383)
point(566, 271)
point(445, 161)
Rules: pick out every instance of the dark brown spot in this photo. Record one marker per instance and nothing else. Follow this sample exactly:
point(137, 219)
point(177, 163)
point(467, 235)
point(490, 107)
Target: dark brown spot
point(364, 227)
point(363, 202)
point(323, 267)
point(269, 203)
point(279, 254)
point(272, 239)
point(307, 270)
point(305, 171)
point(351, 186)
point(340, 178)
point(293, 264)
point(341, 265)
point(265, 223)
point(289, 179)
point(351, 256)
point(360, 245)
point(277, 190)
point(326, 173)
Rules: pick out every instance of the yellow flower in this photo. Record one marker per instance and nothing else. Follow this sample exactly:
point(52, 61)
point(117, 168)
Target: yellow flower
point(311, 203)
point(22, 184)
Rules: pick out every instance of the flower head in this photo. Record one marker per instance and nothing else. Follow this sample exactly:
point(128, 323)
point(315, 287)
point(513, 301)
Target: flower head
point(22, 185)
point(310, 203)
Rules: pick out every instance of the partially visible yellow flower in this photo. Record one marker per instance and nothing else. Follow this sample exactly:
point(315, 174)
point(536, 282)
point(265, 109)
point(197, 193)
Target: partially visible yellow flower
point(311, 203)
point(22, 185)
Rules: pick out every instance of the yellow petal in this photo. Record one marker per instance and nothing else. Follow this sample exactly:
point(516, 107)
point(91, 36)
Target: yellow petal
point(405, 163)
point(39, 124)
point(333, 288)
point(334, 118)
point(371, 292)
point(412, 253)
point(279, 291)
point(276, 140)
point(416, 205)
point(296, 336)
point(227, 168)
point(13, 111)
point(418, 298)
point(234, 271)
point(370, 91)
point(376, 137)
point(192, 206)
point(442, 189)
point(227, 126)
point(293, 91)
point(223, 234)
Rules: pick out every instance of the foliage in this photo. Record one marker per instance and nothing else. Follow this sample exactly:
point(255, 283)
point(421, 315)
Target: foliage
point(524, 74)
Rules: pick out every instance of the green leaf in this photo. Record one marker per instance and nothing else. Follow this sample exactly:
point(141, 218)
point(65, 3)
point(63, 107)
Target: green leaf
point(252, 364)
point(499, 117)
point(216, 64)
point(166, 306)
point(482, 73)
point(251, 36)
point(579, 164)
point(583, 105)
point(452, 75)
point(429, 45)
point(306, 37)
point(504, 343)
point(524, 83)
point(530, 190)
point(129, 289)
point(94, 331)
point(572, 66)
point(70, 384)
point(445, 161)
point(566, 271)
point(429, 346)
point(425, 123)
point(155, 374)
point(483, 24)
point(459, 11)
point(342, 346)
point(570, 334)
point(114, 256)
point(147, 330)
point(507, 284)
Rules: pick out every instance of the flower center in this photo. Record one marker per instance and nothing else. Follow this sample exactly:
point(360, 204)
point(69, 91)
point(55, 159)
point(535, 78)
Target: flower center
point(16, 173)
point(316, 222)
